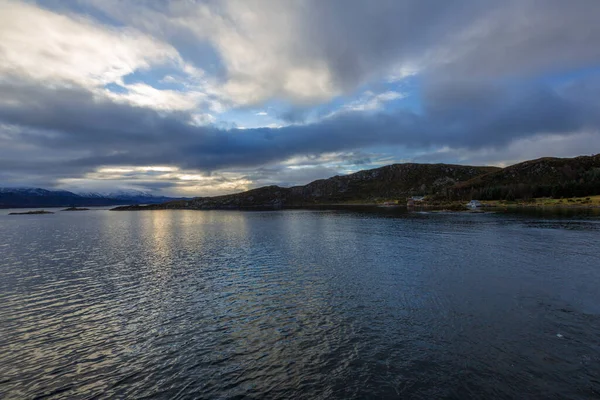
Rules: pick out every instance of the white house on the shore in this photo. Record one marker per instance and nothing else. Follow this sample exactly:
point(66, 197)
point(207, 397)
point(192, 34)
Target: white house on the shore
point(474, 204)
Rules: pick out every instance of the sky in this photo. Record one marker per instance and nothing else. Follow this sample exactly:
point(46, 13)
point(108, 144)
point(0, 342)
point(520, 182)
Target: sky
point(199, 98)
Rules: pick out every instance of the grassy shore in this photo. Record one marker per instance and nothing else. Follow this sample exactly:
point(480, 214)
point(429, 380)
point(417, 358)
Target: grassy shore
point(572, 202)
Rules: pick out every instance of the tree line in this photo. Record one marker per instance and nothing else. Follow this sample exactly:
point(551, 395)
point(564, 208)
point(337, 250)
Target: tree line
point(588, 184)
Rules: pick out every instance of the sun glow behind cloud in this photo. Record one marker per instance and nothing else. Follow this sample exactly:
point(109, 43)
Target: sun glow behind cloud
point(179, 182)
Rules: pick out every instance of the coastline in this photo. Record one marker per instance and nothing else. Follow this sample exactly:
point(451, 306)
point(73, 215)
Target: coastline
point(583, 203)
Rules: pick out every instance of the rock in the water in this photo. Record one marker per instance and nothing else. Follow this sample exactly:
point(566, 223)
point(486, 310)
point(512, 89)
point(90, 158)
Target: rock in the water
point(31, 212)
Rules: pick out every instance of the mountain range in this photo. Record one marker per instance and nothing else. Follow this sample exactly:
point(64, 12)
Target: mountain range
point(37, 197)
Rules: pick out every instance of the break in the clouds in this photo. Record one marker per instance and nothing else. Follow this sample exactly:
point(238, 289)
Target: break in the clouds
point(209, 97)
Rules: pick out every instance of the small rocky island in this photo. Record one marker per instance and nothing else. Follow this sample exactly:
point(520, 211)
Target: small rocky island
point(75, 209)
point(31, 212)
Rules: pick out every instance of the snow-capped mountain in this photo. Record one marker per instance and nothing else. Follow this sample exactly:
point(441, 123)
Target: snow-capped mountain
point(129, 196)
point(34, 191)
point(126, 193)
point(90, 194)
point(37, 197)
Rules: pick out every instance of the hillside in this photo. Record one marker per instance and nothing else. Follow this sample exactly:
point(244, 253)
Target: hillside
point(544, 177)
point(396, 181)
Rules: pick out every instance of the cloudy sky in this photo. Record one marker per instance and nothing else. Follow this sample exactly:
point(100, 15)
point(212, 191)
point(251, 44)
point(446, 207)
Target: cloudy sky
point(217, 96)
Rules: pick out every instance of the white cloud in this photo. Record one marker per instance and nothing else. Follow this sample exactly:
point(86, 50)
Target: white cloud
point(402, 71)
point(58, 49)
point(127, 169)
point(144, 95)
point(389, 96)
point(261, 43)
point(370, 101)
point(64, 50)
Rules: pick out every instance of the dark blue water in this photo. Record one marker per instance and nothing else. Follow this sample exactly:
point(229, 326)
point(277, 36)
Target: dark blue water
point(299, 304)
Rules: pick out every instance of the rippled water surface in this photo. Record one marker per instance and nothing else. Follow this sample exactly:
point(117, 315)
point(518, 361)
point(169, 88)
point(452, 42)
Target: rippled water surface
point(299, 304)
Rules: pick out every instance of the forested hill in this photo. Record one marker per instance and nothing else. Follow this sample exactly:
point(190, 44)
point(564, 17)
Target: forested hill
point(544, 177)
point(396, 181)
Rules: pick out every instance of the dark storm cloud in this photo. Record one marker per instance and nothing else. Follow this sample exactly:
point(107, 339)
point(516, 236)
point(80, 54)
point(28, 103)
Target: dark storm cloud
point(360, 40)
point(465, 38)
point(82, 132)
point(526, 38)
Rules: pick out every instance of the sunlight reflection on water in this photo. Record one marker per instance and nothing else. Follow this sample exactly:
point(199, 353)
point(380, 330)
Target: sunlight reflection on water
point(302, 304)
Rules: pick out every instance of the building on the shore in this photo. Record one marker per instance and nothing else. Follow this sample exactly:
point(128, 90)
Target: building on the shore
point(474, 204)
point(414, 200)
